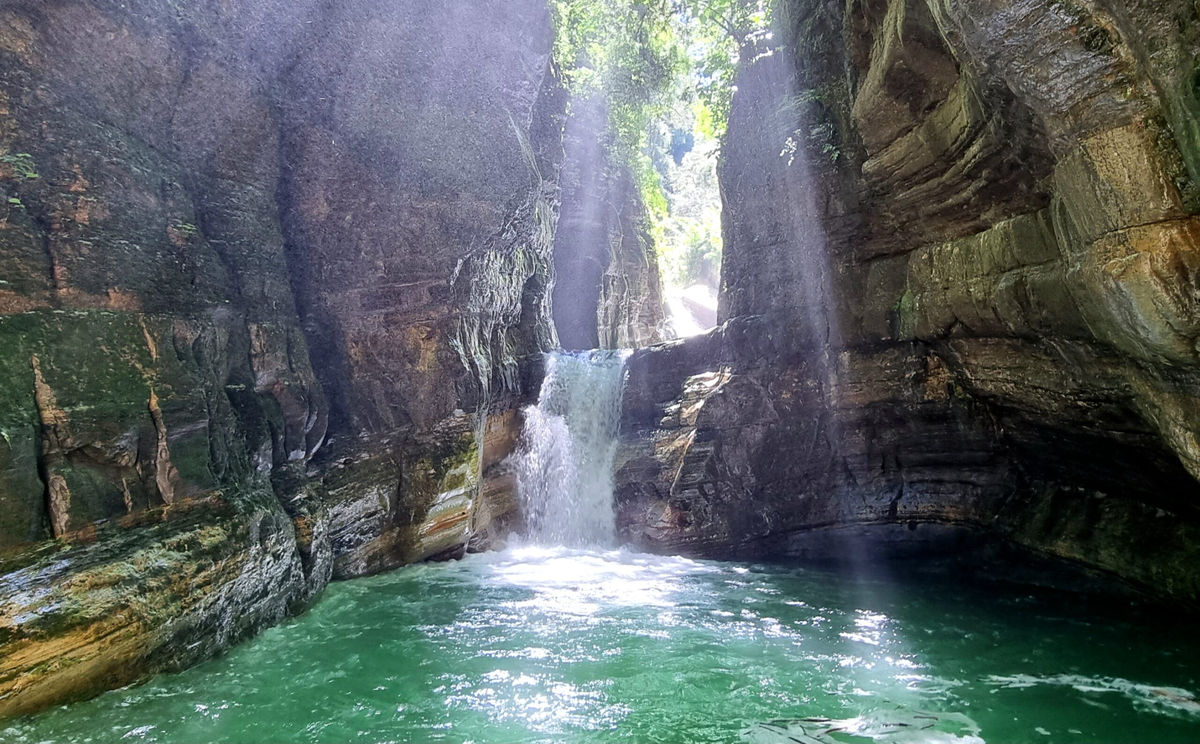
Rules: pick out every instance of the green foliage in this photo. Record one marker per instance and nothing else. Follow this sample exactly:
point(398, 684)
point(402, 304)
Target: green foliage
point(689, 237)
point(22, 165)
point(821, 137)
point(691, 252)
point(650, 186)
point(719, 34)
point(905, 313)
point(626, 51)
point(665, 71)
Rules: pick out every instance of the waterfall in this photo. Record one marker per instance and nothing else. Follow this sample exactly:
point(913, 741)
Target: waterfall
point(564, 464)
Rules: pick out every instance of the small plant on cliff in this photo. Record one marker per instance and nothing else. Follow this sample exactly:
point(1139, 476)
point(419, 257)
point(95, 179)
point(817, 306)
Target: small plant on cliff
point(818, 132)
point(22, 165)
point(904, 313)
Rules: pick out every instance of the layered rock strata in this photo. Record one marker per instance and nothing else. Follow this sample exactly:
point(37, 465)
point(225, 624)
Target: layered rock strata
point(266, 268)
point(960, 285)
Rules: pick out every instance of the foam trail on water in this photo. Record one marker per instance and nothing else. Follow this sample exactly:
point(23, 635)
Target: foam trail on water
point(565, 461)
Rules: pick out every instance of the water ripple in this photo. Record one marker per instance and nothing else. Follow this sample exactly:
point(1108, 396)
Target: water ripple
point(537, 644)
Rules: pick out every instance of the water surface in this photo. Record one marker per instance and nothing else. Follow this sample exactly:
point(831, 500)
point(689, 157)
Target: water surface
point(538, 644)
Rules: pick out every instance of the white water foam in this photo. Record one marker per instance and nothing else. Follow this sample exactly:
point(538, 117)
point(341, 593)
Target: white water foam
point(1170, 700)
point(564, 462)
point(900, 726)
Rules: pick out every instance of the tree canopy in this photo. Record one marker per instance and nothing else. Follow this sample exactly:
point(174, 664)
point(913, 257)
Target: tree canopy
point(665, 71)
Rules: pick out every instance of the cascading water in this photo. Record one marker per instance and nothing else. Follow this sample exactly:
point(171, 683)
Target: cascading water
point(565, 460)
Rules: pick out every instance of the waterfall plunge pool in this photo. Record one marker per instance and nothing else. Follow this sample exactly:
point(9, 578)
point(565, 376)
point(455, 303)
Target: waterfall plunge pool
point(585, 643)
point(554, 644)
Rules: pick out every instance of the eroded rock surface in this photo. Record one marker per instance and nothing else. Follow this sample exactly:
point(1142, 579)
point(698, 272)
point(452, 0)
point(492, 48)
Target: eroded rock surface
point(265, 268)
point(269, 270)
point(960, 285)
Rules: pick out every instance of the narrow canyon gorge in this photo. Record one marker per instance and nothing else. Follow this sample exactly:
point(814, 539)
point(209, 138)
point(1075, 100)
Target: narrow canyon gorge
point(280, 278)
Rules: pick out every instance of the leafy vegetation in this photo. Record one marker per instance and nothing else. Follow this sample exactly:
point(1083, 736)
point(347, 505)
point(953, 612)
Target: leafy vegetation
point(627, 52)
point(665, 72)
point(821, 137)
point(22, 165)
point(719, 33)
point(689, 236)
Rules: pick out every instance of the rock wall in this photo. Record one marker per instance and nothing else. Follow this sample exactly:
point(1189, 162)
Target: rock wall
point(608, 294)
point(266, 266)
point(960, 291)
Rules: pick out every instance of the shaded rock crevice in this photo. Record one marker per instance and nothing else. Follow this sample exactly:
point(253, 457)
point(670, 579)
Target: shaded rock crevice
point(608, 293)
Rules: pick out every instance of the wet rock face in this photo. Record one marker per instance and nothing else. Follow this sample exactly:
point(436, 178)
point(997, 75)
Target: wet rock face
point(421, 200)
point(166, 589)
point(264, 270)
point(964, 295)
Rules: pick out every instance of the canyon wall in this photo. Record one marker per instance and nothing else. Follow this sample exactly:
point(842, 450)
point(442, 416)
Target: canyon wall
point(961, 297)
point(266, 267)
point(275, 276)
